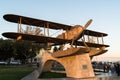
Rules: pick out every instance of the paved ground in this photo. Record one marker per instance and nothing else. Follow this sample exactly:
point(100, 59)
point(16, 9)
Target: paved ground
point(104, 76)
point(108, 76)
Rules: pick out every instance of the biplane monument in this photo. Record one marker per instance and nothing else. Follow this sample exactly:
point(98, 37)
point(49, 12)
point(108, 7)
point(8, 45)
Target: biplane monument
point(84, 44)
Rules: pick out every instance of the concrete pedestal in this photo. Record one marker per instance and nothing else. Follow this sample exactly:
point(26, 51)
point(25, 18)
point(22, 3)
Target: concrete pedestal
point(76, 66)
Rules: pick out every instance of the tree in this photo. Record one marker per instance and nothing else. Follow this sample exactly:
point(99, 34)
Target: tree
point(20, 50)
point(6, 49)
point(25, 50)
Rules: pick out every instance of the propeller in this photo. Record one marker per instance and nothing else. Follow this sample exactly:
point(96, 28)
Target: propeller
point(83, 28)
point(87, 24)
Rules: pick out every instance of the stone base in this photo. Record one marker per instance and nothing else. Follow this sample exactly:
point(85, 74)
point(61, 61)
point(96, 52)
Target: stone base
point(76, 66)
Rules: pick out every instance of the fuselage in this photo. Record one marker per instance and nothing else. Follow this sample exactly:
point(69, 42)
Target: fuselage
point(71, 34)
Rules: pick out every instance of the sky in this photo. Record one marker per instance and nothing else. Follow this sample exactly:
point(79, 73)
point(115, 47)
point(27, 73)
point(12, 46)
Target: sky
point(105, 15)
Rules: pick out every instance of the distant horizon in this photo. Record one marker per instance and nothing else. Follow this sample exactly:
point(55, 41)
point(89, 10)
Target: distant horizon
point(106, 59)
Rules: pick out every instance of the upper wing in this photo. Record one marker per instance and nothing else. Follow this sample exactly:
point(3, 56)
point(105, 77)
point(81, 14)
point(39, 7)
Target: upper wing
point(35, 22)
point(43, 39)
point(43, 23)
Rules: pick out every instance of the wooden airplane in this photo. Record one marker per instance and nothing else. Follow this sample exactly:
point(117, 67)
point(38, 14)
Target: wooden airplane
point(72, 34)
